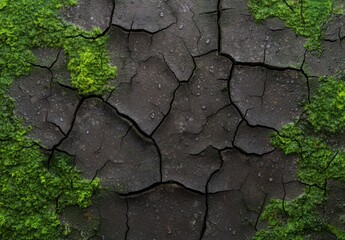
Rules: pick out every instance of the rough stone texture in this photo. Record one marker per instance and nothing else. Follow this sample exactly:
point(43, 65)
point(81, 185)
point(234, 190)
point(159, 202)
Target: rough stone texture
point(196, 24)
point(146, 99)
point(90, 14)
point(83, 223)
point(107, 146)
point(330, 62)
point(268, 97)
point(253, 140)
point(150, 16)
point(120, 56)
point(37, 99)
point(182, 144)
point(175, 54)
point(166, 212)
point(245, 172)
point(46, 57)
point(187, 136)
point(228, 217)
point(112, 210)
point(246, 41)
point(335, 29)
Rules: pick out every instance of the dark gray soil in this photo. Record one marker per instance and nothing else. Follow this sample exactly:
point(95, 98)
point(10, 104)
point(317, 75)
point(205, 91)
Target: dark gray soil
point(182, 144)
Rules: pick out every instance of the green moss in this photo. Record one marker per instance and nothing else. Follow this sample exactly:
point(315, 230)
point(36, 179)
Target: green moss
point(26, 25)
point(318, 164)
point(306, 18)
point(292, 219)
point(327, 109)
point(32, 194)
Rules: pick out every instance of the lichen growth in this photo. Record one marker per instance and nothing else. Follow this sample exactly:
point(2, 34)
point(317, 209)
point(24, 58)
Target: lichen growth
point(306, 18)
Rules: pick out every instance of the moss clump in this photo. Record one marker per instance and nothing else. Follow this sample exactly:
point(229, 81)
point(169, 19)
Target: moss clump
point(318, 164)
point(36, 23)
point(32, 195)
point(305, 17)
point(293, 219)
point(327, 109)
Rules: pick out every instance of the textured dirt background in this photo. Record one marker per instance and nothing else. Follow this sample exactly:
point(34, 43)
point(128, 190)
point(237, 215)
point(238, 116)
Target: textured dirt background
point(182, 144)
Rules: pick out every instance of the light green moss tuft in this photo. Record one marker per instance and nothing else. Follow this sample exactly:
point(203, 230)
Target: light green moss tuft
point(306, 17)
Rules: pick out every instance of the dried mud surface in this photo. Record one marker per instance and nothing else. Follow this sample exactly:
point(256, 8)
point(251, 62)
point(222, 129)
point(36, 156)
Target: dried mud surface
point(182, 144)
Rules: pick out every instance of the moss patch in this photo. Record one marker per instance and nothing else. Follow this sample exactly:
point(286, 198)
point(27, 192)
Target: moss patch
point(327, 109)
point(30, 24)
point(318, 164)
point(306, 17)
point(32, 195)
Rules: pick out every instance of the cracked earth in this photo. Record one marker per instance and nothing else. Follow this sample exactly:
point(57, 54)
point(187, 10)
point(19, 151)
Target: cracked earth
point(182, 144)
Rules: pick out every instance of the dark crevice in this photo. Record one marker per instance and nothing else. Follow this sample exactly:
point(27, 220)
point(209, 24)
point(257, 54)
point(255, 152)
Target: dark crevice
point(105, 31)
point(205, 54)
point(253, 154)
point(209, 13)
point(289, 6)
point(100, 169)
point(57, 126)
point(168, 112)
point(261, 210)
point(66, 86)
point(160, 160)
point(157, 184)
point(219, 11)
point(170, 70)
point(51, 65)
point(269, 67)
point(306, 76)
point(258, 64)
point(204, 225)
point(140, 30)
point(127, 219)
point(208, 117)
point(126, 134)
point(125, 117)
point(242, 150)
point(330, 162)
point(55, 61)
point(53, 149)
point(134, 125)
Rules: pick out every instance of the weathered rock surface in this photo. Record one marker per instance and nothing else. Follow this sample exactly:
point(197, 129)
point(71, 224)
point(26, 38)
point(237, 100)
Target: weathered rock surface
point(107, 146)
point(268, 97)
point(166, 212)
point(247, 41)
point(201, 113)
point(39, 102)
point(182, 144)
point(90, 14)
